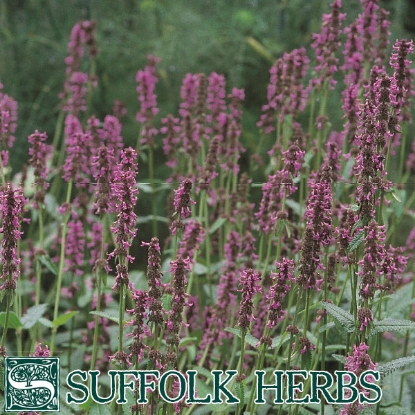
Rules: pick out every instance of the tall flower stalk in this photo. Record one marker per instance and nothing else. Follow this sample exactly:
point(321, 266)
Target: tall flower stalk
point(124, 189)
point(12, 203)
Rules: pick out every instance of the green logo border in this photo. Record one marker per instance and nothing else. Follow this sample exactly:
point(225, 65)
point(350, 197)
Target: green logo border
point(52, 369)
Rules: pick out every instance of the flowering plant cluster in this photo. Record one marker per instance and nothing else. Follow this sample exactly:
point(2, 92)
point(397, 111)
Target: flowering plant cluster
point(310, 269)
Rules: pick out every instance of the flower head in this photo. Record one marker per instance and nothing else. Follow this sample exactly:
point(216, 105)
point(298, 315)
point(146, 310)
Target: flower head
point(249, 281)
point(12, 203)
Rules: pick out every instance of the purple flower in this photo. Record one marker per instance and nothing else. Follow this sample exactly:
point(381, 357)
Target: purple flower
point(12, 203)
point(39, 352)
point(75, 86)
point(403, 76)
point(293, 159)
point(279, 290)
point(39, 152)
point(373, 255)
point(318, 212)
point(286, 93)
point(110, 135)
point(188, 93)
point(147, 81)
point(102, 171)
point(171, 140)
point(273, 192)
point(179, 300)
point(249, 280)
point(124, 189)
point(209, 170)
point(194, 235)
point(183, 200)
point(215, 101)
point(353, 56)
point(359, 361)
point(364, 317)
point(77, 165)
point(154, 276)
point(74, 247)
point(326, 43)
point(8, 124)
point(137, 347)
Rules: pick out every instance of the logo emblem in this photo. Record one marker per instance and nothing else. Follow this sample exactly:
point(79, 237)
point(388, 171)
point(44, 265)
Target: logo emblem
point(31, 384)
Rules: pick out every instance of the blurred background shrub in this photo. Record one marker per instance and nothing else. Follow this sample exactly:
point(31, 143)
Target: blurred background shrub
point(239, 38)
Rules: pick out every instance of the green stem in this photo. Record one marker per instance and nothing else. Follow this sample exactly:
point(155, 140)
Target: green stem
point(9, 295)
point(153, 198)
point(60, 269)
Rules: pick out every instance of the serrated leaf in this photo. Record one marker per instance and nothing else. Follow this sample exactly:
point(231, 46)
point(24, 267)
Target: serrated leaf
point(14, 321)
point(217, 224)
point(356, 241)
point(387, 368)
point(392, 325)
point(359, 223)
point(249, 338)
point(47, 262)
point(62, 319)
point(104, 314)
point(33, 314)
point(343, 317)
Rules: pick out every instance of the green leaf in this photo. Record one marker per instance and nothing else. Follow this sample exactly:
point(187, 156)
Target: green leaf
point(218, 223)
point(47, 262)
point(45, 322)
point(240, 392)
point(62, 319)
point(359, 223)
point(387, 368)
point(144, 187)
point(203, 371)
point(391, 325)
point(33, 314)
point(343, 317)
point(149, 218)
point(166, 300)
point(199, 269)
point(395, 410)
point(104, 314)
point(99, 409)
point(252, 340)
point(326, 327)
point(279, 340)
point(295, 206)
point(356, 241)
point(339, 358)
point(187, 340)
point(14, 321)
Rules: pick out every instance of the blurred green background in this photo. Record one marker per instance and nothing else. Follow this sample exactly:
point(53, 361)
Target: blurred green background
point(239, 38)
